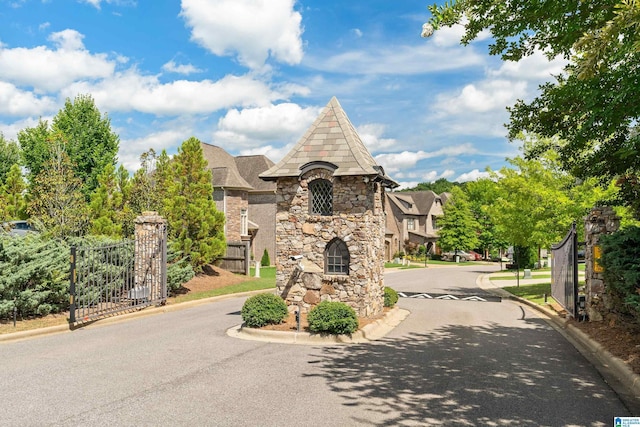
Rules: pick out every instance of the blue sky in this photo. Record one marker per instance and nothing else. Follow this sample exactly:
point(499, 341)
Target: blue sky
point(252, 75)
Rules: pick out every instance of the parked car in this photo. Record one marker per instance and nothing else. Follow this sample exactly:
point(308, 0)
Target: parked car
point(475, 256)
point(451, 256)
point(16, 228)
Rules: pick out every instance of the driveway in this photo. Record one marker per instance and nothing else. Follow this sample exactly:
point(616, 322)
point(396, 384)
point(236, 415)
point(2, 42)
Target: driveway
point(451, 362)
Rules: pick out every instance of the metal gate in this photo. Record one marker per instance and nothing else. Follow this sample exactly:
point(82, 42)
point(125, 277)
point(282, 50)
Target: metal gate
point(113, 278)
point(564, 272)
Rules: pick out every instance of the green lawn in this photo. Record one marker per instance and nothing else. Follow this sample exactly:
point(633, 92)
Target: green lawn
point(513, 276)
point(267, 280)
point(534, 293)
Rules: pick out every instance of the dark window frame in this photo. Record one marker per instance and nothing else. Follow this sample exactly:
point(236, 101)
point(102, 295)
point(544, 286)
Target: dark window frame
point(321, 197)
point(336, 258)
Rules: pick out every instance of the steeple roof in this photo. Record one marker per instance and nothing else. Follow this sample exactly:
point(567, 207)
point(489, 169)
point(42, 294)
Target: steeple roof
point(330, 139)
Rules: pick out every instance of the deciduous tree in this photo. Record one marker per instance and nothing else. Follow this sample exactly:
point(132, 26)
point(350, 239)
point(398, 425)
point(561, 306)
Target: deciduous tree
point(590, 114)
point(9, 155)
point(56, 199)
point(458, 228)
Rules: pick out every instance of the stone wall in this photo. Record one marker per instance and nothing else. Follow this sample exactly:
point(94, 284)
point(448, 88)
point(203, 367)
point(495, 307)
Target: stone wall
point(150, 271)
point(599, 221)
point(358, 219)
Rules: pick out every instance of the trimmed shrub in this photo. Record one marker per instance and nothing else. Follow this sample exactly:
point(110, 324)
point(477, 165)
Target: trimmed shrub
point(334, 318)
point(390, 297)
point(265, 261)
point(620, 255)
point(178, 274)
point(264, 309)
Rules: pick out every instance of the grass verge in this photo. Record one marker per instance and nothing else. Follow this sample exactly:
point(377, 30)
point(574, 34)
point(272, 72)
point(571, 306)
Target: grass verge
point(267, 280)
point(534, 293)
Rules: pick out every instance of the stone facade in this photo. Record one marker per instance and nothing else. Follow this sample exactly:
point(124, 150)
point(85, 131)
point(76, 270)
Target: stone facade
point(599, 221)
point(151, 254)
point(358, 220)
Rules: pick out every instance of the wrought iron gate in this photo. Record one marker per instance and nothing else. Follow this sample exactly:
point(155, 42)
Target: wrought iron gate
point(113, 278)
point(564, 272)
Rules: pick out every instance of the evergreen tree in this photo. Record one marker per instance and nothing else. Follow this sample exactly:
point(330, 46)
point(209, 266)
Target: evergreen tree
point(196, 227)
point(12, 202)
point(56, 199)
point(458, 227)
point(106, 205)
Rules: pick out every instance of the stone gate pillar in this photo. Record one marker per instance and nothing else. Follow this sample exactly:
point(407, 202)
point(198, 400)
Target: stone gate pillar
point(601, 220)
point(151, 256)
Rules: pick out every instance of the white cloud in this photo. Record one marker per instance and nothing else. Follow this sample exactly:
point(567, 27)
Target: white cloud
point(408, 159)
point(131, 149)
point(357, 32)
point(250, 126)
point(473, 175)
point(479, 108)
point(10, 130)
point(67, 40)
point(252, 29)
point(273, 153)
point(129, 90)
point(487, 95)
point(371, 135)
point(94, 3)
point(535, 68)
point(49, 70)
point(186, 69)
point(397, 60)
point(451, 36)
point(15, 102)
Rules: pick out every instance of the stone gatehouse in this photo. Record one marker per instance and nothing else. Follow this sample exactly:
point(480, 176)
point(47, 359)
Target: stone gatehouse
point(330, 218)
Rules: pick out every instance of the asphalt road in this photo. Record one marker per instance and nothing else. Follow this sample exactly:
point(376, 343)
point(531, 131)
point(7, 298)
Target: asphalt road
point(449, 363)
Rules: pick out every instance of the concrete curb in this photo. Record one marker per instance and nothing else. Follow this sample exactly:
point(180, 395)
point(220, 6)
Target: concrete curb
point(150, 311)
point(370, 332)
point(583, 343)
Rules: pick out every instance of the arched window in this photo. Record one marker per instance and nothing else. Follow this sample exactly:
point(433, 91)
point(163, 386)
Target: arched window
point(320, 197)
point(336, 258)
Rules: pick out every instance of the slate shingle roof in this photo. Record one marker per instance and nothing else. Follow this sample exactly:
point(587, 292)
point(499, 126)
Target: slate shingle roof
point(223, 168)
point(416, 202)
point(331, 138)
point(252, 166)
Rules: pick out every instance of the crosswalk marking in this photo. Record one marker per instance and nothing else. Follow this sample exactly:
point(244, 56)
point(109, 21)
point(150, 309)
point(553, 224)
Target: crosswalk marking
point(450, 297)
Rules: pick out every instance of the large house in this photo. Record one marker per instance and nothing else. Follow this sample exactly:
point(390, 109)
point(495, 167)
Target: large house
point(248, 203)
point(412, 217)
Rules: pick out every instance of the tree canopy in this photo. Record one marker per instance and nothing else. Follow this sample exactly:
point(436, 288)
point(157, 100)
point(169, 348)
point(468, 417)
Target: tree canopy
point(439, 186)
point(590, 114)
point(9, 156)
point(87, 139)
point(458, 227)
